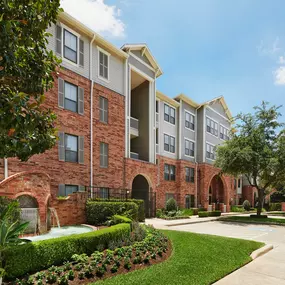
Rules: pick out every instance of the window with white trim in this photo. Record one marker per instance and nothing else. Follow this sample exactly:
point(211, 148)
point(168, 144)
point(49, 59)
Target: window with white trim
point(224, 133)
point(189, 148)
point(212, 127)
point(189, 174)
point(70, 97)
point(210, 151)
point(104, 153)
point(169, 143)
point(70, 46)
point(169, 172)
point(103, 109)
point(103, 65)
point(169, 114)
point(71, 148)
point(189, 121)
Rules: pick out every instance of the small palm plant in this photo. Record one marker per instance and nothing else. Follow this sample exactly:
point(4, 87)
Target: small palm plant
point(9, 232)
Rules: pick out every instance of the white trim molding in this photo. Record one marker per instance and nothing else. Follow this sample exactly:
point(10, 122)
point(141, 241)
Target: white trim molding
point(109, 55)
point(142, 62)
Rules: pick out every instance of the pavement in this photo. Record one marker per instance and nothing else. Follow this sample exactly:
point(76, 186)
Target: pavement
point(267, 269)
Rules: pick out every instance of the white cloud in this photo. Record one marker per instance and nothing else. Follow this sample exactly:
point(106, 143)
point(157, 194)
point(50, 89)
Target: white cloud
point(279, 75)
point(269, 49)
point(97, 15)
point(281, 60)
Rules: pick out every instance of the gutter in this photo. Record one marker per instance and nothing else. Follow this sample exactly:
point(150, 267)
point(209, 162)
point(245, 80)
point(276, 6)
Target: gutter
point(6, 174)
point(91, 113)
point(196, 163)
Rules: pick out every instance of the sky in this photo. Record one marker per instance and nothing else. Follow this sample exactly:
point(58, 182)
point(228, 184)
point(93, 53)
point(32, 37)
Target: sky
point(206, 48)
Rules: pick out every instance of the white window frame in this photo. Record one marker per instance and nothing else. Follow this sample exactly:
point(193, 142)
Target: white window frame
point(228, 130)
point(170, 136)
point(104, 155)
point(170, 107)
point(109, 55)
point(186, 139)
point(103, 110)
point(207, 117)
point(210, 144)
point(191, 114)
point(64, 27)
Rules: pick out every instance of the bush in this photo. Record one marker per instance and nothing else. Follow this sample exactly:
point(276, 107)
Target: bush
point(237, 209)
point(98, 212)
point(203, 214)
point(39, 255)
point(214, 213)
point(275, 207)
point(171, 205)
point(140, 203)
point(195, 211)
point(246, 205)
point(16, 211)
point(117, 219)
point(159, 213)
point(187, 212)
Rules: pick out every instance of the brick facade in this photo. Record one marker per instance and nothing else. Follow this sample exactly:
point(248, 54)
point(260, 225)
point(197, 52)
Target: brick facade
point(248, 194)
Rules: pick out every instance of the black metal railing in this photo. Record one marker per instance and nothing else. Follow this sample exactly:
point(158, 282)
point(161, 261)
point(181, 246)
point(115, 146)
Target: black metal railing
point(107, 193)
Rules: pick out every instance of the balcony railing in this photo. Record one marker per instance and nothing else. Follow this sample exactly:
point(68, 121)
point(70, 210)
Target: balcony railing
point(134, 155)
point(134, 127)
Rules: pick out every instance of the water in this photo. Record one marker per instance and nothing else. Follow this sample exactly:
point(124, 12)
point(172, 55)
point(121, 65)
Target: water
point(53, 211)
point(63, 231)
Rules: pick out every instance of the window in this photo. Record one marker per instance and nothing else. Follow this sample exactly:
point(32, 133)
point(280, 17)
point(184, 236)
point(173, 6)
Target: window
point(169, 143)
point(157, 106)
point(104, 149)
point(189, 148)
point(103, 107)
point(169, 114)
point(190, 173)
point(70, 46)
point(69, 189)
point(189, 121)
point(210, 151)
point(169, 172)
point(224, 133)
point(189, 201)
point(239, 183)
point(70, 97)
point(104, 193)
point(103, 65)
point(71, 148)
point(168, 196)
point(212, 127)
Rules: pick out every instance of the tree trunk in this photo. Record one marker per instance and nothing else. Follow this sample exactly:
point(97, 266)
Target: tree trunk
point(260, 201)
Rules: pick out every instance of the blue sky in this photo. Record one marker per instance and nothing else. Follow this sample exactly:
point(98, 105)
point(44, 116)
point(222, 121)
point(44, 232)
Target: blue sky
point(206, 48)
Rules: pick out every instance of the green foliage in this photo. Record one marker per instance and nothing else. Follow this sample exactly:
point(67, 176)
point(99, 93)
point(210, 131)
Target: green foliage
point(140, 203)
point(39, 255)
point(26, 68)
point(203, 214)
point(256, 150)
point(275, 207)
point(14, 211)
point(98, 212)
point(187, 212)
point(171, 205)
point(246, 205)
point(117, 219)
point(159, 213)
point(237, 209)
point(214, 213)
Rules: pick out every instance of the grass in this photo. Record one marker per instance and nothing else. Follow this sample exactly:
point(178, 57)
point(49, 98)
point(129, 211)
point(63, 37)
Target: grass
point(273, 221)
point(196, 259)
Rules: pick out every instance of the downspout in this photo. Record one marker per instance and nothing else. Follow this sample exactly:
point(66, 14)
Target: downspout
point(6, 174)
point(91, 114)
point(196, 163)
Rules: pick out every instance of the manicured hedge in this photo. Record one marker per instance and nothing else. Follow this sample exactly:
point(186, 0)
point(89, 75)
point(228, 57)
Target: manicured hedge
point(121, 220)
point(275, 207)
point(203, 214)
point(215, 213)
point(98, 212)
point(140, 203)
point(35, 256)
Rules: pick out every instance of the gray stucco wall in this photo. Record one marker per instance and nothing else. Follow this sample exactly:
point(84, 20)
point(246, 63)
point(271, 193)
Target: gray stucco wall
point(185, 132)
point(140, 56)
point(141, 66)
point(169, 129)
point(140, 111)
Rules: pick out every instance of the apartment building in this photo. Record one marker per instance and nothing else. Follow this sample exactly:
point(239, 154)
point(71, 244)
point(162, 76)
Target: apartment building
point(117, 131)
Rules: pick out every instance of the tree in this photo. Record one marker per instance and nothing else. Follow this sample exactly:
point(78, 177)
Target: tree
point(256, 150)
point(26, 69)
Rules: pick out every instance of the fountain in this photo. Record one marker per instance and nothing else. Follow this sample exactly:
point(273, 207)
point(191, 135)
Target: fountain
point(32, 216)
point(54, 213)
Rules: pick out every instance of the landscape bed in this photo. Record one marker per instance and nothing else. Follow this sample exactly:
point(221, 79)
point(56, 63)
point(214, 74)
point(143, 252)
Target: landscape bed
point(252, 220)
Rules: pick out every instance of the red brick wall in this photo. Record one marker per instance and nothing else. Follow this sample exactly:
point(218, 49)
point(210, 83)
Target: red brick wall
point(248, 194)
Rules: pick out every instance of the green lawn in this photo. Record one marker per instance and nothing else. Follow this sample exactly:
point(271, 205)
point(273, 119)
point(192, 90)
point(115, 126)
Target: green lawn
point(196, 259)
point(273, 221)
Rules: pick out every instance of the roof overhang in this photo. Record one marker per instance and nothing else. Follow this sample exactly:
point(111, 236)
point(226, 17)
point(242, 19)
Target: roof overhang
point(187, 100)
point(63, 16)
point(145, 51)
point(166, 99)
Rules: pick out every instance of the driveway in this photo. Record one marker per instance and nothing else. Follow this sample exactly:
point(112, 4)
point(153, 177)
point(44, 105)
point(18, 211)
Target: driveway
point(267, 269)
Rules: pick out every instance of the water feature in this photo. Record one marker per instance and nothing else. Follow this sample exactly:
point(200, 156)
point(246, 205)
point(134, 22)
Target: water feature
point(54, 213)
point(63, 231)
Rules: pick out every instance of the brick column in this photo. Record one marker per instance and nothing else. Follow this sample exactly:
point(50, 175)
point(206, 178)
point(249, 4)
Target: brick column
point(283, 206)
point(221, 205)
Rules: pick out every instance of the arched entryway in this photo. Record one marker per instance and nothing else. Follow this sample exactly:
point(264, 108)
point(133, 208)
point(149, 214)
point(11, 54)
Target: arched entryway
point(216, 192)
point(141, 190)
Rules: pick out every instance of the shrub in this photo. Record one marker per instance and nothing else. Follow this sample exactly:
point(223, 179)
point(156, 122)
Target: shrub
point(139, 202)
point(187, 212)
point(195, 211)
point(159, 213)
point(39, 255)
point(246, 205)
point(237, 208)
point(214, 213)
point(14, 215)
point(203, 214)
point(118, 219)
point(171, 205)
point(98, 212)
point(275, 207)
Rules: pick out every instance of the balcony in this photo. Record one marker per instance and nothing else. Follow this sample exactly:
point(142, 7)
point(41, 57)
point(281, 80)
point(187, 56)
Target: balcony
point(134, 127)
point(134, 155)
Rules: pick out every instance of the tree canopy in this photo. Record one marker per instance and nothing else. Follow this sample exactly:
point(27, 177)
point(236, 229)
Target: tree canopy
point(26, 69)
point(256, 150)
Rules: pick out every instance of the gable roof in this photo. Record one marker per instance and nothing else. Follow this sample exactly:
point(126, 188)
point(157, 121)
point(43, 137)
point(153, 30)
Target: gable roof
point(221, 99)
point(166, 99)
point(145, 51)
point(186, 99)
